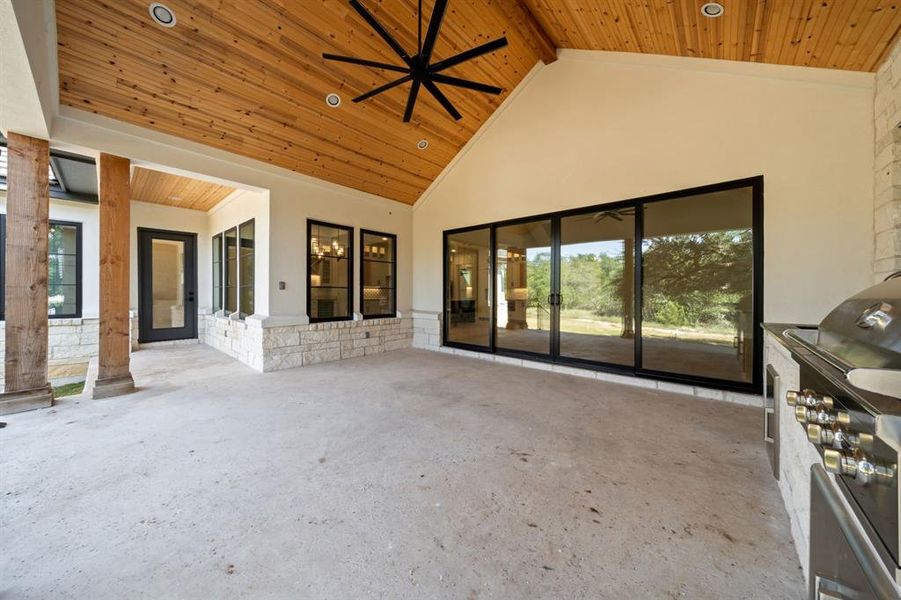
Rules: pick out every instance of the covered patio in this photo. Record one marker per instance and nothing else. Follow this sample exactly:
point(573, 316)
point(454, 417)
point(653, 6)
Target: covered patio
point(405, 475)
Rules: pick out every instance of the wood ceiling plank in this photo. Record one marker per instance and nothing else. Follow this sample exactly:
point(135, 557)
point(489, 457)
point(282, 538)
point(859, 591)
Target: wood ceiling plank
point(249, 77)
point(167, 189)
point(308, 144)
point(137, 59)
point(224, 46)
point(875, 27)
point(883, 46)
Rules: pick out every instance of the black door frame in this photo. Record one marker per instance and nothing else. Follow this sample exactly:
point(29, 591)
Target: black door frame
point(551, 354)
point(756, 183)
point(146, 333)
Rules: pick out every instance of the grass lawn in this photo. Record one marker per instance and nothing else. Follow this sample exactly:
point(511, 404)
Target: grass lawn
point(68, 389)
point(584, 321)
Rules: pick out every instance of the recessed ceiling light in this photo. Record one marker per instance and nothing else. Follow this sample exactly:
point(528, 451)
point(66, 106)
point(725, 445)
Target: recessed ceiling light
point(422, 144)
point(333, 100)
point(175, 198)
point(712, 10)
point(162, 14)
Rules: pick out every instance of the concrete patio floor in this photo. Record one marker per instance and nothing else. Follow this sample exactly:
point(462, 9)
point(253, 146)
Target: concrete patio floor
point(405, 475)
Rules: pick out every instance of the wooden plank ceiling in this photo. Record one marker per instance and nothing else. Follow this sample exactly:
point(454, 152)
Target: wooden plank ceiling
point(247, 76)
point(837, 34)
point(157, 187)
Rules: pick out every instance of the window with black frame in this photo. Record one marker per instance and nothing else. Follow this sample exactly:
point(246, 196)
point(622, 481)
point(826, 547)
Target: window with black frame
point(230, 272)
point(378, 279)
point(330, 268)
point(246, 232)
point(233, 270)
point(217, 272)
point(63, 269)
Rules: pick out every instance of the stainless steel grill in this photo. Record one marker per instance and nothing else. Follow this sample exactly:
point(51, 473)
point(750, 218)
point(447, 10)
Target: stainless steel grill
point(849, 404)
point(861, 338)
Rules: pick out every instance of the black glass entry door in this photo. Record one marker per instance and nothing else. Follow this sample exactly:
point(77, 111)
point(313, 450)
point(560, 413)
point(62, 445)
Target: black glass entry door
point(667, 286)
point(167, 282)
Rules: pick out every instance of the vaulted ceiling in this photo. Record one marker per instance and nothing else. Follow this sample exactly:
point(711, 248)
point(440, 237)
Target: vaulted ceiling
point(837, 34)
point(247, 76)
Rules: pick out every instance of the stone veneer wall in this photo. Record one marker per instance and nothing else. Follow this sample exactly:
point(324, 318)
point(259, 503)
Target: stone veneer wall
point(242, 340)
point(796, 454)
point(887, 217)
point(427, 335)
point(275, 347)
point(72, 345)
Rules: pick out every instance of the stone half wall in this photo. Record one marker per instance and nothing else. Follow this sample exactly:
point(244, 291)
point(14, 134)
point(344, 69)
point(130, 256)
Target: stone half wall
point(795, 452)
point(427, 335)
point(72, 345)
point(887, 203)
point(269, 347)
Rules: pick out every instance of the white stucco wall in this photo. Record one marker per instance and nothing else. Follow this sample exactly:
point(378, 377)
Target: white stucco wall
point(596, 127)
point(293, 198)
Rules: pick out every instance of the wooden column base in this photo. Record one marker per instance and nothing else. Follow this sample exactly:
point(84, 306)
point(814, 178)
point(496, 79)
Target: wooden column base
point(113, 386)
point(16, 402)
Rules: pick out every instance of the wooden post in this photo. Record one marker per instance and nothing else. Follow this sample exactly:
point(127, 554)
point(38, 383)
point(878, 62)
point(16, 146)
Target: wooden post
point(113, 375)
point(27, 224)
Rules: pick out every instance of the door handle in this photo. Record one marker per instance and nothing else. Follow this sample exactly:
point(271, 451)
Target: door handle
point(190, 296)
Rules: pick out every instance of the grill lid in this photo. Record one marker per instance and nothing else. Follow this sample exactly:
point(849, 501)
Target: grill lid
point(864, 331)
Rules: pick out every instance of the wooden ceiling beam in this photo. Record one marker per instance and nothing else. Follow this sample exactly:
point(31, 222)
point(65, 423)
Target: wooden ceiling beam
point(533, 31)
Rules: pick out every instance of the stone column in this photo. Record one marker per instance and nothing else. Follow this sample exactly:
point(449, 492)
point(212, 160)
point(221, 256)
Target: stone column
point(113, 374)
point(887, 205)
point(27, 224)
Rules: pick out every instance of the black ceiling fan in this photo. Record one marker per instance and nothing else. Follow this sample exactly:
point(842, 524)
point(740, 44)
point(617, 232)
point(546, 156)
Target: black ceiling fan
point(419, 69)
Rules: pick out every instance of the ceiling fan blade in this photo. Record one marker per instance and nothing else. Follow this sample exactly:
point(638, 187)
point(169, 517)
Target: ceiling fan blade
point(465, 83)
point(366, 63)
point(440, 97)
point(383, 88)
point(383, 33)
point(468, 55)
point(434, 25)
point(411, 100)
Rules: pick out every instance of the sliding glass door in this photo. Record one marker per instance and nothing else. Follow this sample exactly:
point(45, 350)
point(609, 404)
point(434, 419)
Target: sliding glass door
point(597, 298)
point(668, 286)
point(467, 302)
point(698, 286)
point(524, 275)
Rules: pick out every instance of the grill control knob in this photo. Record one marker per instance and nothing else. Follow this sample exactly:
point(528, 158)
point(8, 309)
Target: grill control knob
point(821, 415)
point(807, 398)
point(838, 437)
point(855, 464)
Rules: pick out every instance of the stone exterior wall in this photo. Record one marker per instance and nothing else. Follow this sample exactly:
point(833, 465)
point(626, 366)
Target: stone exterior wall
point(795, 452)
point(72, 345)
point(887, 217)
point(242, 340)
point(273, 348)
point(300, 345)
point(426, 330)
